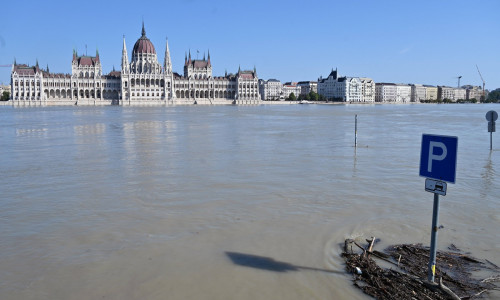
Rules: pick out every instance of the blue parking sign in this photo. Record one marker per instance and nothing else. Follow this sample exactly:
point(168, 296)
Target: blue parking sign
point(438, 157)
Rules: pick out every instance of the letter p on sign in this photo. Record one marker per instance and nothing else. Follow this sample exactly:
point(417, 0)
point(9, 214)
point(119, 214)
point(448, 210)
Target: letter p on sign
point(438, 157)
point(432, 156)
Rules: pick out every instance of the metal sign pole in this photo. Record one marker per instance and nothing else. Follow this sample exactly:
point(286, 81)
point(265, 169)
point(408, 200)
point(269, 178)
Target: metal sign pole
point(491, 140)
point(434, 233)
point(356, 131)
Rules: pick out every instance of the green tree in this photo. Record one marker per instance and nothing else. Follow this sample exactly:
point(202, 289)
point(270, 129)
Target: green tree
point(5, 96)
point(292, 97)
point(314, 96)
point(494, 96)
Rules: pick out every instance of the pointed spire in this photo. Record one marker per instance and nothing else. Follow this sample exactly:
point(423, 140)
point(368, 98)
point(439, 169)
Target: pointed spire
point(125, 64)
point(113, 68)
point(15, 61)
point(225, 73)
point(209, 56)
point(36, 63)
point(143, 30)
point(48, 71)
point(254, 71)
point(239, 69)
point(167, 65)
point(204, 56)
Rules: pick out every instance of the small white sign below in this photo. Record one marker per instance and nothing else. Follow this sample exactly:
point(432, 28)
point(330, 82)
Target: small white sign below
point(435, 186)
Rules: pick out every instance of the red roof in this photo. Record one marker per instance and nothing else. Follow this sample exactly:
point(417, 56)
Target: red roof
point(200, 64)
point(246, 76)
point(86, 60)
point(144, 45)
point(25, 69)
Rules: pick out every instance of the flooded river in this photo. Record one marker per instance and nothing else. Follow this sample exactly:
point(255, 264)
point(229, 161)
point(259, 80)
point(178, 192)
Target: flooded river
point(228, 202)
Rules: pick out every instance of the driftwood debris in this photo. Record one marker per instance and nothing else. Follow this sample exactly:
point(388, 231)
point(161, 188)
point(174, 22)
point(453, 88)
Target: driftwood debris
point(407, 279)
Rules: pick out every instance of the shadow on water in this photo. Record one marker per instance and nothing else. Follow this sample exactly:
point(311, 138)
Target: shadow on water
point(269, 264)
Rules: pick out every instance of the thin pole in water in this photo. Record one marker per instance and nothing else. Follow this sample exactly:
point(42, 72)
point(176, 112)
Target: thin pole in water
point(356, 131)
point(491, 140)
point(434, 233)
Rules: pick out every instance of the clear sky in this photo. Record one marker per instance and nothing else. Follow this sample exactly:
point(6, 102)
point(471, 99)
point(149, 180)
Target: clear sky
point(426, 42)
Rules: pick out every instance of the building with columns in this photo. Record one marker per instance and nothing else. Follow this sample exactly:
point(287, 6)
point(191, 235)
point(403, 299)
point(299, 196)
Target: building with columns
point(141, 81)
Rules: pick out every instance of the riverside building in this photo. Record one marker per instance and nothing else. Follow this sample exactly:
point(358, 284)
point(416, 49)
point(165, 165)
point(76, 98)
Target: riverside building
point(270, 89)
point(289, 88)
point(450, 93)
point(307, 86)
point(141, 81)
point(344, 89)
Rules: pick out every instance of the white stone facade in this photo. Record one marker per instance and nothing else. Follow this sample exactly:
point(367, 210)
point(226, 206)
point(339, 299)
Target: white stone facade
point(368, 90)
point(141, 81)
point(452, 94)
point(385, 92)
point(288, 89)
point(270, 89)
point(32, 85)
point(345, 89)
point(403, 93)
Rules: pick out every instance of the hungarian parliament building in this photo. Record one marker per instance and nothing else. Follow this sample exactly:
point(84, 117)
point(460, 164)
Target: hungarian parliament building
point(141, 81)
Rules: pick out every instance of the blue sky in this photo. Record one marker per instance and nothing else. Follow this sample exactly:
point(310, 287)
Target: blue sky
point(427, 42)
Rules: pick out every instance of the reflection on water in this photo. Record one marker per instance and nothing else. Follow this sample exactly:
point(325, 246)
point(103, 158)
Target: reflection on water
point(488, 175)
point(148, 203)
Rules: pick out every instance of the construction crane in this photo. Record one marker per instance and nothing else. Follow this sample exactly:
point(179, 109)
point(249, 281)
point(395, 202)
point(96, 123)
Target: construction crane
point(5, 66)
point(484, 95)
point(459, 80)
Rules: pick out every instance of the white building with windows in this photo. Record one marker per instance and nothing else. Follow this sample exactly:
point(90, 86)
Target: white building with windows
point(367, 89)
point(289, 88)
point(385, 92)
point(403, 93)
point(451, 93)
point(344, 89)
point(392, 92)
point(270, 89)
point(141, 81)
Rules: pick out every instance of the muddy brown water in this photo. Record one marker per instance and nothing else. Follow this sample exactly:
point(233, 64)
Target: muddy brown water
point(228, 202)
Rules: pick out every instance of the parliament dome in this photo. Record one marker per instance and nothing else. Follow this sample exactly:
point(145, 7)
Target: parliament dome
point(143, 44)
